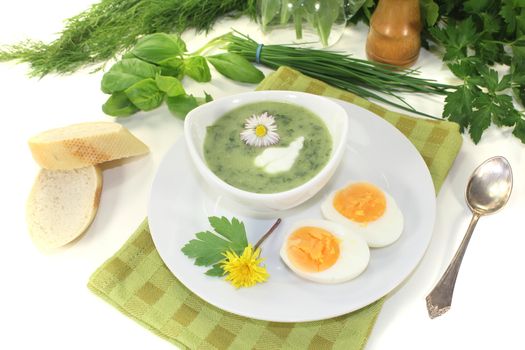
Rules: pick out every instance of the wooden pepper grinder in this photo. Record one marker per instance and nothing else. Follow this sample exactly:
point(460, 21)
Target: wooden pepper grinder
point(395, 33)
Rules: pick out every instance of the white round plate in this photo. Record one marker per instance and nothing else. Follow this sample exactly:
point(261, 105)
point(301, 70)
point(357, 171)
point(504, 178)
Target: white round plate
point(180, 205)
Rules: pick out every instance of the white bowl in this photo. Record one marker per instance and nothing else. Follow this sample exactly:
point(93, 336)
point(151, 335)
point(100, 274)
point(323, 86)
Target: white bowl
point(266, 204)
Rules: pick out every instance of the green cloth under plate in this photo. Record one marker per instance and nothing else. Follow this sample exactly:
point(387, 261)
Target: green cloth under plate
point(136, 281)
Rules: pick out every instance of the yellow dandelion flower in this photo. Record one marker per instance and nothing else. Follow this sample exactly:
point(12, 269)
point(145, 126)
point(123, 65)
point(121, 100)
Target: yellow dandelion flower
point(244, 270)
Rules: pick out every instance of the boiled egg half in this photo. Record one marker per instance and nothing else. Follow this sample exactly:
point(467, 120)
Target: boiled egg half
point(367, 210)
point(325, 252)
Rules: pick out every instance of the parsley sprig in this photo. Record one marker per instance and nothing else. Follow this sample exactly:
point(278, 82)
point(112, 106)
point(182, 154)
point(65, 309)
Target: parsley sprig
point(476, 35)
point(208, 248)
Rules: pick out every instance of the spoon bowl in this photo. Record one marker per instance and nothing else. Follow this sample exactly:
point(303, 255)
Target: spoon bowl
point(490, 186)
point(488, 190)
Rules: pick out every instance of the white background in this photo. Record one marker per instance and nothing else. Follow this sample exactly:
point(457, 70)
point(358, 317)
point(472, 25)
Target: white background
point(44, 301)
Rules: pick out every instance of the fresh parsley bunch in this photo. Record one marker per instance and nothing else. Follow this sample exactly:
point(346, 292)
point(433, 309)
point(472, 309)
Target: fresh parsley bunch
point(475, 35)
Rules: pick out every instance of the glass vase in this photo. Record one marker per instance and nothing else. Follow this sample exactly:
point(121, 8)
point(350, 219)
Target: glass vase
point(310, 23)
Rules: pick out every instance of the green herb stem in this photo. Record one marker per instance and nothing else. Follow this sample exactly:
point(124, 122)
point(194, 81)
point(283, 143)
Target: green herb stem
point(209, 45)
point(285, 14)
point(298, 23)
point(267, 234)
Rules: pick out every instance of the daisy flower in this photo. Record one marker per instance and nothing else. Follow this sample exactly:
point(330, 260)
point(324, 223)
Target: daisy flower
point(260, 131)
point(244, 270)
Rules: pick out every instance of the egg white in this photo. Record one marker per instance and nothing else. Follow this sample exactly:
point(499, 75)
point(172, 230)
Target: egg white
point(378, 233)
point(354, 254)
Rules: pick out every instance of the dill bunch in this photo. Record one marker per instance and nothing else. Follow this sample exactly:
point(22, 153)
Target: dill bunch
point(112, 26)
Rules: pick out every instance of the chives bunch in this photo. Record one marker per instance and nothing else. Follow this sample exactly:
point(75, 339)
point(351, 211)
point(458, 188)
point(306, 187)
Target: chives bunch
point(366, 79)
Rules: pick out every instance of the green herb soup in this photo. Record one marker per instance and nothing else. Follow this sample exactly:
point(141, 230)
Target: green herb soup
point(232, 160)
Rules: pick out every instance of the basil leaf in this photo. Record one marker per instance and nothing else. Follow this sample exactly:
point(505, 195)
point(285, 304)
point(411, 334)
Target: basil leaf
point(181, 105)
point(173, 66)
point(158, 47)
point(145, 94)
point(180, 42)
point(197, 68)
point(236, 67)
point(170, 85)
point(118, 105)
point(125, 73)
point(128, 55)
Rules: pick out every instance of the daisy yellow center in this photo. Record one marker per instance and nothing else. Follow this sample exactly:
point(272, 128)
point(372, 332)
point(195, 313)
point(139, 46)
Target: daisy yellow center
point(260, 130)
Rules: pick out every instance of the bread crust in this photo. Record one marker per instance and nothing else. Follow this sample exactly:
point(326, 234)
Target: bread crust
point(81, 145)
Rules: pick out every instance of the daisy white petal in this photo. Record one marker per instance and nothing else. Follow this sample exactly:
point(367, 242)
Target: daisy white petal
point(260, 131)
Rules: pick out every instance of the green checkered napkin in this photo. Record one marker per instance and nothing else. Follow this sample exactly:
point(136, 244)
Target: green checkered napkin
point(136, 281)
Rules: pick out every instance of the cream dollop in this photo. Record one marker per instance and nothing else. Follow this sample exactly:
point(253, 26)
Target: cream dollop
point(279, 159)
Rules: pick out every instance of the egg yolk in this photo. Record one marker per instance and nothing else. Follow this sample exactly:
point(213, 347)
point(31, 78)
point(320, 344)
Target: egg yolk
point(360, 202)
point(312, 249)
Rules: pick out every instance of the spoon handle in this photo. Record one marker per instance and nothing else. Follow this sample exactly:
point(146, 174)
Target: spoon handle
point(440, 298)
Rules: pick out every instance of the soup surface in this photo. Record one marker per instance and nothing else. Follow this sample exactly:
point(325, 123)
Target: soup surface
point(232, 160)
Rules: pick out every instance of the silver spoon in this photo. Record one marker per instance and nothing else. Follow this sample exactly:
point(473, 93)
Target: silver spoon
point(488, 190)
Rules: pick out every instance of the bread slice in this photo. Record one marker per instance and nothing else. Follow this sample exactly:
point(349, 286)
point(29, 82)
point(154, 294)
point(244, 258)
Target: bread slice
point(62, 205)
point(84, 144)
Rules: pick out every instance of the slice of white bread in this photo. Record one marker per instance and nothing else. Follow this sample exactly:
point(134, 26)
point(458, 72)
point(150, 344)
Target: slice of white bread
point(80, 145)
point(62, 205)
